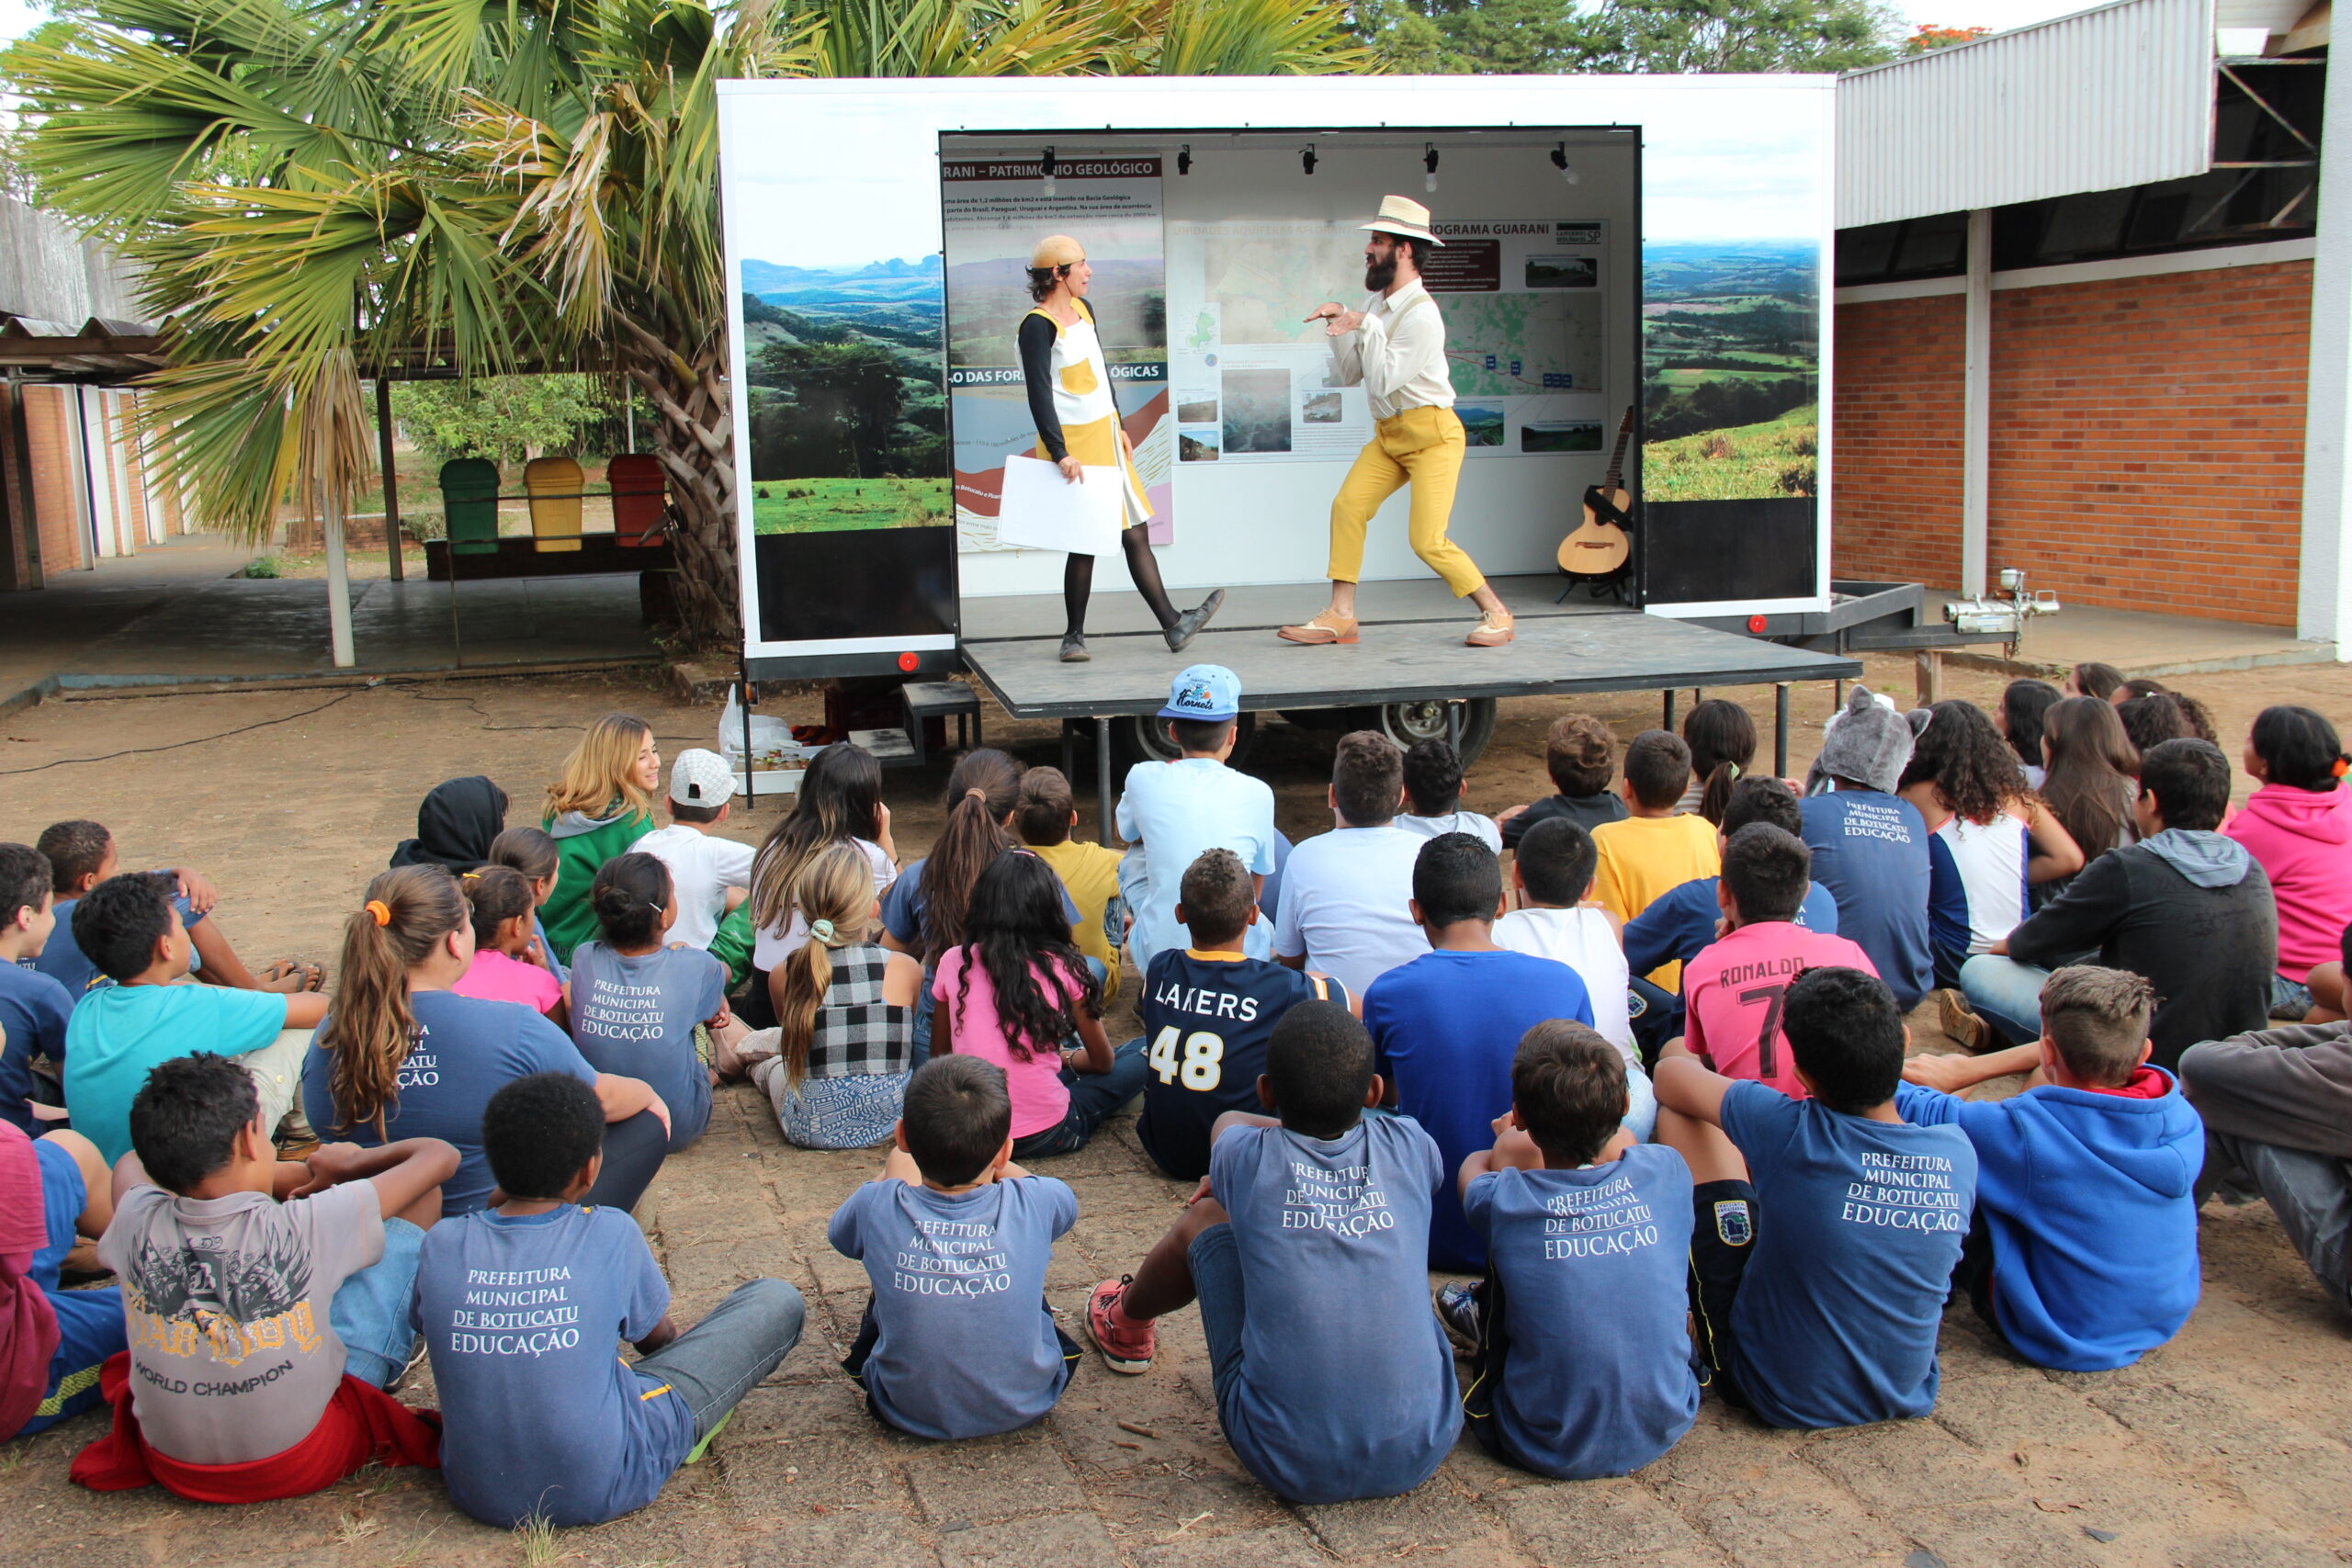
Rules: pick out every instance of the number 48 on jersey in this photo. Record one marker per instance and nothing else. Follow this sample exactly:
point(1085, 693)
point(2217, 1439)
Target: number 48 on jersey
point(1201, 1063)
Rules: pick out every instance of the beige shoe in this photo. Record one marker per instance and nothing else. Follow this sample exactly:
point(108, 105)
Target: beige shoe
point(1493, 630)
point(1328, 628)
point(1963, 1027)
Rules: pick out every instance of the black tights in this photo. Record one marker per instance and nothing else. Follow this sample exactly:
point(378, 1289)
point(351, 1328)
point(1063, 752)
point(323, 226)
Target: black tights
point(1078, 580)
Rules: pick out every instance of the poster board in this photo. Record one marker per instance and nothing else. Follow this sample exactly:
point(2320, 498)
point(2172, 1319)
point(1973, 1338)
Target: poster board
point(1703, 210)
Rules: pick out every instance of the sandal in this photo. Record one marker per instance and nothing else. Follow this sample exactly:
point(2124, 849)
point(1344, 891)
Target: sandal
point(306, 977)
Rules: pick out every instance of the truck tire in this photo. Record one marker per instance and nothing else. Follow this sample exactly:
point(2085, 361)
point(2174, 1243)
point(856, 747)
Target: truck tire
point(1406, 723)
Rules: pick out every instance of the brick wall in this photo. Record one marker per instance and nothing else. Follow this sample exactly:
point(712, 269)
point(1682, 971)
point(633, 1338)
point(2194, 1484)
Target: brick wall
point(2146, 443)
point(57, 478)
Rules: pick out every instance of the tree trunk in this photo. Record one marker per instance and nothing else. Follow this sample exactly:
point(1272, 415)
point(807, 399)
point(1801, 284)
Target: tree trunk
point(693, 446)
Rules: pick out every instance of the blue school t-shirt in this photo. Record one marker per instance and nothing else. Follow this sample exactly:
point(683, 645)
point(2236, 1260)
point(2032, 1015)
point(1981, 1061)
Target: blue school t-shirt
point(1871, 851)
point(1597, 1380)
point(118, 1033)
point(34, 1011)
point(635, 1016)
point(540, 1414)
point(1346, 1387)
point(1860, 1224)
point(1207, 1018)
point(1444, 1029)
point(467, 1049)
point(61, 958)
point(965, 1345)
point(1679, 924)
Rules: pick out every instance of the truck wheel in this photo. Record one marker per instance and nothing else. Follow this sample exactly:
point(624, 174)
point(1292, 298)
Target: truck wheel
point(1142, 739)
point(1407, 723)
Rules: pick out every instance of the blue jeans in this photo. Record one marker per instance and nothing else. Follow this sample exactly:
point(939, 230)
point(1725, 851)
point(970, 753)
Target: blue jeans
point(1092, 1097)
point(714, 1364)
point(1214, 1258)
point(2311, 1195)
point(2006, 994)
point(369, 1313)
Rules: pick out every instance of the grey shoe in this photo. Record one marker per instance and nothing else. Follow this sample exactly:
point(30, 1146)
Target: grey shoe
point(1074, 649)
point(1188, 624)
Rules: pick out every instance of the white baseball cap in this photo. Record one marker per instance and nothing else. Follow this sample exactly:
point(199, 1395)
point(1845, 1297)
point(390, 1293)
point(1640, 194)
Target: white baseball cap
point(701, 778)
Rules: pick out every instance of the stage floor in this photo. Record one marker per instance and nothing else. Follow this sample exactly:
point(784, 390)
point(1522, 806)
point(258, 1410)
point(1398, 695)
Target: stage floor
point(1412, 651)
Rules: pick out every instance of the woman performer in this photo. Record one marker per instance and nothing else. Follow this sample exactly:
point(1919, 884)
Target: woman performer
point(1079, 428)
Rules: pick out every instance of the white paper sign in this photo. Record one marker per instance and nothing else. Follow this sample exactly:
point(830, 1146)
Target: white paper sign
point(1043, 511)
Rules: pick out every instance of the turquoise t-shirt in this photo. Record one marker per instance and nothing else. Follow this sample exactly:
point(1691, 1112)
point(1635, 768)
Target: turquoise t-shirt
point(118, 1033)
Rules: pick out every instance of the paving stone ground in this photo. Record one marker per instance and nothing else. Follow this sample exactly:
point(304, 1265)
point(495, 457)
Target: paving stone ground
point(2223, 1449)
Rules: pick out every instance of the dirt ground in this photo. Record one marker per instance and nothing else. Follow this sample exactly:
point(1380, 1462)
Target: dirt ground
point(2224, 1450)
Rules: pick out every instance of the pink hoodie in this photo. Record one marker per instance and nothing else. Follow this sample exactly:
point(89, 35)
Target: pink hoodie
point(2305, 842)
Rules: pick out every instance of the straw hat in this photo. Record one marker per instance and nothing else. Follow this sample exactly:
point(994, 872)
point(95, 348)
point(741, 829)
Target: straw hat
point(1402, 215)
point(1056, 250)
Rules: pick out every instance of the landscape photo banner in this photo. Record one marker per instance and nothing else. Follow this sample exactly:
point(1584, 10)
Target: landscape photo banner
point(994, 212)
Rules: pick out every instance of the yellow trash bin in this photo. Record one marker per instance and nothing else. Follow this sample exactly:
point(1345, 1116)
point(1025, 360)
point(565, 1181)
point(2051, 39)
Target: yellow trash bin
point(553, 485)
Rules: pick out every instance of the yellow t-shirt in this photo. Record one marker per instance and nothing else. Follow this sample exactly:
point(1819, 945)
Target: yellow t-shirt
point(1644, 857)
point(1090, 873)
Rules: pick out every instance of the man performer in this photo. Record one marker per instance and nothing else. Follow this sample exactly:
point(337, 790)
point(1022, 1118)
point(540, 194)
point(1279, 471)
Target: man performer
point(1394, 347)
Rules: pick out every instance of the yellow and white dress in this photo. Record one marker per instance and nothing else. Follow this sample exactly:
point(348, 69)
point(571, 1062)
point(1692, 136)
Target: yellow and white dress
point(1077, 399)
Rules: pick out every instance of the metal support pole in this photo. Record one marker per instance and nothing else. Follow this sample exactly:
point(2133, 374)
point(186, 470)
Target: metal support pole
point(1453, 728)
point(392, 479)
point(338, 580)
point(1069, 751)
point(1668, 722)
point(1780, 730)
point(1109, 834)
point(743, 693)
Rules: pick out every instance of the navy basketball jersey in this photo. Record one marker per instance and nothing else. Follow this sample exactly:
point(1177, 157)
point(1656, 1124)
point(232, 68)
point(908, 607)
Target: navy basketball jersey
point(1206, 1019)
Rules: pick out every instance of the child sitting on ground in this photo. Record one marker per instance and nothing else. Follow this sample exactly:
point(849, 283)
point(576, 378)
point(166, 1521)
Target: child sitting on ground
point(2084, 1253)
point(958, 1340)
point(1435, 789)
point(1734, 991)
point(1207, 1010)
point(924, 910)
point(1345, 892)
point(267, 1299)
point(34, 1009)
point(1045, 821)
point(840, 801)
point(1579, 1328)
point(1580, 753)
point(1722, 738)
point(1013, 992)
point(1828, 1227)
point(1870, 845)
point(601, 807)
point(639, 1000)
point(53, 1194)
point(520, 1305)
point(1656, 849)
point(131, 929)
point(2295, 824)
point(712, 875)
point(531, 851)
point(1171, 811)
point(1305, 1248)
point(835, 1067)
point(455, 822)
point(1551, 874)
point(81, 854)
point(502, 970)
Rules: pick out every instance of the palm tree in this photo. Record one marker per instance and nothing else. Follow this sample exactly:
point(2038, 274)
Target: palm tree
point(320, 194)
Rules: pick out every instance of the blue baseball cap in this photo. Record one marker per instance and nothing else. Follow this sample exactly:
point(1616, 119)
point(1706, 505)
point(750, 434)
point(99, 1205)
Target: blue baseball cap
point(1204, 690)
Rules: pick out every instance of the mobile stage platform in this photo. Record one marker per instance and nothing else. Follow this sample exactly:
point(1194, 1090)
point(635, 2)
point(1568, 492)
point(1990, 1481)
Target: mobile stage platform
point(1412, 652)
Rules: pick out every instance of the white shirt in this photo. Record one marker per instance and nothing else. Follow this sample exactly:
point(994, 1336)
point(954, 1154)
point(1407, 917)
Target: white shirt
point(1399, 354)
point(1483, 828)
point(703, 866)
point(1344, 904)
point(1582, 940)
point(770, 948)
point(1176, 810)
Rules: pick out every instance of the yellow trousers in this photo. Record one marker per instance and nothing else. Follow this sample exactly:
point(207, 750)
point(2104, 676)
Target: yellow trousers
point(1422, 447)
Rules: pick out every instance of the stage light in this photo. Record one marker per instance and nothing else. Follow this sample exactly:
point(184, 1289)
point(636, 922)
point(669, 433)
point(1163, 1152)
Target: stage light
point(1047, 165)
point(1307, 159)
point(1560, 162)
point(1429, 162)
point(1184, 160)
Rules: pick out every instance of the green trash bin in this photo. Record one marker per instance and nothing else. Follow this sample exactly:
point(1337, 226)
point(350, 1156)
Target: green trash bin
point(469, 497)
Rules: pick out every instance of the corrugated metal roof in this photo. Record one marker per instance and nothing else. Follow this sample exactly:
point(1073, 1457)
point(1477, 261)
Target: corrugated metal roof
point(2116, 97)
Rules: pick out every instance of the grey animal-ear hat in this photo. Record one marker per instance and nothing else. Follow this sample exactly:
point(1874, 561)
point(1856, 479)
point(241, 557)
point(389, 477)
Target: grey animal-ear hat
point(1867, 742)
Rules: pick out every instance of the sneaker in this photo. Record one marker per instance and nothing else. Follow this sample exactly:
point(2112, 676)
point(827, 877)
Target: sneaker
point(1493, 630)
point(1074, 649)
point(1967, 1031)
point(1457, 1309)
point(1328, 628)
point(1126, 1345)
point(1188, 624)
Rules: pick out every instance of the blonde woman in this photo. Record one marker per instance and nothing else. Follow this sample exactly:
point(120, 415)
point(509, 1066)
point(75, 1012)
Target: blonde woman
point(603, 804)
point(402, 1056)
point(1079, 428)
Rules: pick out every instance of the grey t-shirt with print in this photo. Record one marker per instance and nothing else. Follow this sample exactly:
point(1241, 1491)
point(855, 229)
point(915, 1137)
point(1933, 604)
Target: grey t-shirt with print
point(226, 1299)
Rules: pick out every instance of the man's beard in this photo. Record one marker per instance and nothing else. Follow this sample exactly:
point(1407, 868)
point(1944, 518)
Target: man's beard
point(1379, 273)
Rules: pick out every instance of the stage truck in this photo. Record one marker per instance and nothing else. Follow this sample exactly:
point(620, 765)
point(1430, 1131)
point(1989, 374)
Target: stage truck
point(1634, 283)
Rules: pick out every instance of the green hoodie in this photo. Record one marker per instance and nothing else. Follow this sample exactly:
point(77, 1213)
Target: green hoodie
point(583, 843)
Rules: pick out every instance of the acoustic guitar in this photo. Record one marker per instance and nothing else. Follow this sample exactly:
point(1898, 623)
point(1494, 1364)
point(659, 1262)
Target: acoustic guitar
point(1600, 547)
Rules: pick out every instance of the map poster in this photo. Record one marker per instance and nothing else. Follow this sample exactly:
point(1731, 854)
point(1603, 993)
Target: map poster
point(995, 212)
point(1525, 303)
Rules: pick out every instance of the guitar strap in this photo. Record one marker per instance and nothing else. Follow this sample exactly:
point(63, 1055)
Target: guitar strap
point(1603, 509)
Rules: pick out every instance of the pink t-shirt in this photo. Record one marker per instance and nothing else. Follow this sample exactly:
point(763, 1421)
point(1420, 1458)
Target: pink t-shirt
point(1731, 991)
point(1040, 1098)
point(494, 978)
